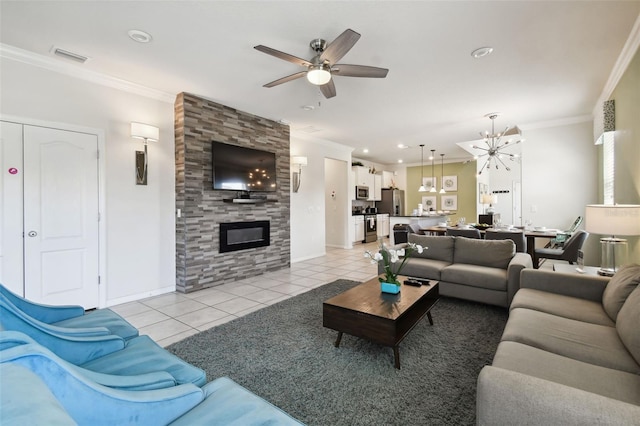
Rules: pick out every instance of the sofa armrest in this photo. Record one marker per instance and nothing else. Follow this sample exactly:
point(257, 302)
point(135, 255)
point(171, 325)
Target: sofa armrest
point(587, 287)
point(508, 397)
point(519, 262)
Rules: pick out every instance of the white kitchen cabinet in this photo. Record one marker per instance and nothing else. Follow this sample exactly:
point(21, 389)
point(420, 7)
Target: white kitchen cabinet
point(375, 194)
point(382, 225)
point(387, 179)
point(359, 225)
point(363, 177)
point(385, 225)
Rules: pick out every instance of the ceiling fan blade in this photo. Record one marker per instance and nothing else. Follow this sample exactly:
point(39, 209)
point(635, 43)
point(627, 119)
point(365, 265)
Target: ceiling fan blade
point(345, 70)
point(328, 90)
point(281, 55)
point(340, 46)
point(286, 79)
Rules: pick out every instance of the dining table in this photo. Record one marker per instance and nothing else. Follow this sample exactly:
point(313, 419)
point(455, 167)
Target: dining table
point(530, 234)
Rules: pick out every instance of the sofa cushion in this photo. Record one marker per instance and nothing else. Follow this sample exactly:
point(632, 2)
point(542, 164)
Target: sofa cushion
point(424, 268)
point(439, 248)
point(562, 306)
point(476, 276)
point(619, 288)
point(142, 355)
point(628, 324)
point(228, 403)
point(592, 343)
point(566, 371)
point(491, 253)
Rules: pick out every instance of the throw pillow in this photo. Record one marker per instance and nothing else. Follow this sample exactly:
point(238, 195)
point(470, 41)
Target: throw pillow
point(491, 253)
point(627, 324)
point(619, 288)
point(439, 248)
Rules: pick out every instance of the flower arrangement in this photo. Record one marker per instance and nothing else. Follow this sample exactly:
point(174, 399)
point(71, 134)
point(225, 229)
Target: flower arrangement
point(389, 256)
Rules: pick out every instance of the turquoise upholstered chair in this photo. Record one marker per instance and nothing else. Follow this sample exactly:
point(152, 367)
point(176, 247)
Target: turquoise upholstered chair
point(38, 383)
point(99, 352)
point(71, 317)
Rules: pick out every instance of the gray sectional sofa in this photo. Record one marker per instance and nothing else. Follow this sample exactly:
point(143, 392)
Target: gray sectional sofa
point(485, 271)
point(569, 354)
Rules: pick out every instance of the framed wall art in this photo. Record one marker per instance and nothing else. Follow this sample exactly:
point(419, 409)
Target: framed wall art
point(429, 182)
point(450, 183)
point(483, 189)
point(429, 203)
point(449, 202)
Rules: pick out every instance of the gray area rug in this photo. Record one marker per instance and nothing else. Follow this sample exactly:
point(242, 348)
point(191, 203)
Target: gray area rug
point(284, 354)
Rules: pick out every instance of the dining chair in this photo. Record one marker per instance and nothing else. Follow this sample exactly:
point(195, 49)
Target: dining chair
point(569, 252)
point(515, 236)
point(468, 233)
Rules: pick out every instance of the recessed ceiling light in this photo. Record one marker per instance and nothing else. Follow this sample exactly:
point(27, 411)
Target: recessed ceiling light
point(403, 146)
point(482, 51)
point(308, 107)
point(139, 36)
point(399, 161)
point(365, 150)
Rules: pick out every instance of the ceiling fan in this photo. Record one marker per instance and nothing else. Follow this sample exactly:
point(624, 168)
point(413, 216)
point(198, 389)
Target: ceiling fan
point(323, 66)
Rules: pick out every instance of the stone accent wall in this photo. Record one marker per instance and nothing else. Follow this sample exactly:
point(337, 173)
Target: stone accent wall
point(199, 264)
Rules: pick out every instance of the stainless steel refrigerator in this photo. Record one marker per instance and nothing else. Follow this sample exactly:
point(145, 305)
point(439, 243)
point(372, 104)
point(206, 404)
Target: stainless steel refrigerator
point(392, 202)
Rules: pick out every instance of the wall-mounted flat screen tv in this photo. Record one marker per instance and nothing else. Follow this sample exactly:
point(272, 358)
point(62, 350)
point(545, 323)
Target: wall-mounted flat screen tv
point(237, 168)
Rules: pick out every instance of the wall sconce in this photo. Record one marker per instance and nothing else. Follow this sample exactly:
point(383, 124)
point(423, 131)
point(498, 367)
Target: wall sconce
point(146, 133)
point(299, 161)
point(615, 220)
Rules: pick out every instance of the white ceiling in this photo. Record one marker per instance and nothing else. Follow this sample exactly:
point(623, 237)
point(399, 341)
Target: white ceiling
point(551, 60)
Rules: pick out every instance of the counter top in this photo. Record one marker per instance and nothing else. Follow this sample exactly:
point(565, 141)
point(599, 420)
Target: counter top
point(424, 216)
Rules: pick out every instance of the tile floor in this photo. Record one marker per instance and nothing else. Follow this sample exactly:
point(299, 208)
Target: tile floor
point(174, 316)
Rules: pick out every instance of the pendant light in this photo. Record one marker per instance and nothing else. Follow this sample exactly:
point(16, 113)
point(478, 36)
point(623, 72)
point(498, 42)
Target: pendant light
point(422, 188)
point(442, 191)
point(433, 178)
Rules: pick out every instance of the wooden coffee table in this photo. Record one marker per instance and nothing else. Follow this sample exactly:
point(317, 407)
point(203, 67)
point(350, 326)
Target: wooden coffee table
point(364, 311)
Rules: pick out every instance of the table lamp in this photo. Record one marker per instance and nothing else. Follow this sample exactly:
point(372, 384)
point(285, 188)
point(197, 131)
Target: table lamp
point(615, 220)
point(486, 199)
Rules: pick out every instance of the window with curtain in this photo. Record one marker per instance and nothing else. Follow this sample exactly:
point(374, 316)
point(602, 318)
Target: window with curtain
point(608, 166)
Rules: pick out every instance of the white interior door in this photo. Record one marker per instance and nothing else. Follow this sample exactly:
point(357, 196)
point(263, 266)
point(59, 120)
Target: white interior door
point(11, 173)
point(61, 230)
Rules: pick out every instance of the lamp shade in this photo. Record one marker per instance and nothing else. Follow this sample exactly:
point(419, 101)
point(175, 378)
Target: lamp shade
point(299, 160)
point(145, 131)
point(618, 219)
point(487, 199)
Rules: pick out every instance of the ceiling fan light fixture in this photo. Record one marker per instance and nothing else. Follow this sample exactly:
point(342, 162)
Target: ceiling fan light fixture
point(319, 74)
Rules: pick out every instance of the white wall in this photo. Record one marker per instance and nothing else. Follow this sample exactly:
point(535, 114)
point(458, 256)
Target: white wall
point(140, 224)
point(336, 199)
point(308, 204)
point(559, 178)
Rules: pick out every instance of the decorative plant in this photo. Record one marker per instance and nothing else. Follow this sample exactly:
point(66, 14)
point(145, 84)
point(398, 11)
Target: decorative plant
point(389, 256)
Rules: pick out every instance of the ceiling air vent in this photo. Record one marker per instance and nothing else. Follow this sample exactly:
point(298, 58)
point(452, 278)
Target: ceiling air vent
point(69, 55)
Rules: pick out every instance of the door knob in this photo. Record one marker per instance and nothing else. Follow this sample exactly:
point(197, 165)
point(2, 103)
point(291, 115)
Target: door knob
point(32, 233)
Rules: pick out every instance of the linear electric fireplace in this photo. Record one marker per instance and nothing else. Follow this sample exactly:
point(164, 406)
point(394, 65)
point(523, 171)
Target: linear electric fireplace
point(244, 235)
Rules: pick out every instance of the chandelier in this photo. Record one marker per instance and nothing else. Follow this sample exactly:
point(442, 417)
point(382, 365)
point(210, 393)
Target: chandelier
point(495, 145)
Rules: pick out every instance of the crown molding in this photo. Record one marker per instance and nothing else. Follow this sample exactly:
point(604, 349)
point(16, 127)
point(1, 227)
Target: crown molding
point(73, 70)
point(559, 122)
point(626, 56)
